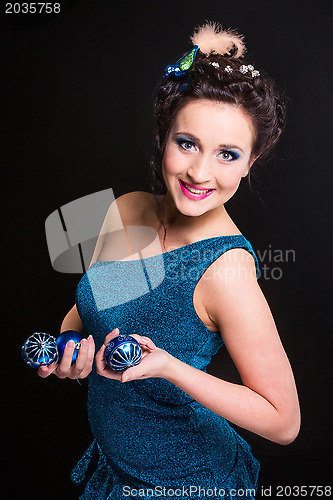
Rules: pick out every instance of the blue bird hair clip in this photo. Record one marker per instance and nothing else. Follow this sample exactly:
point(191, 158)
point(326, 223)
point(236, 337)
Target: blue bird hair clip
point(183, 65)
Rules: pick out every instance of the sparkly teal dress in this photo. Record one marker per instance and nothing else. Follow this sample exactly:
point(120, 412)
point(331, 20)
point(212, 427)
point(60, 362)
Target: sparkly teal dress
point(152, 439)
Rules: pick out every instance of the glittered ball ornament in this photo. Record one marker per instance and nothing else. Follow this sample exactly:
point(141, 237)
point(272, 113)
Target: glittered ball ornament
point(40, 349)
point(122, 352)
point(65, 337)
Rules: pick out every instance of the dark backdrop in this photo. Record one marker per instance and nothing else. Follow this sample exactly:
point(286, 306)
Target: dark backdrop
point(76, 119)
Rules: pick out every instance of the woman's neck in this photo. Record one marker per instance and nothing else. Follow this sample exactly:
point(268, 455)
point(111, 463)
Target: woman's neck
point(185, 228)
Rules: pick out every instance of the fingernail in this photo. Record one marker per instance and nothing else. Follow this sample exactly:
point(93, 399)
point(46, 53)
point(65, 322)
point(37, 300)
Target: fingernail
point(70, 343)
point(90, 338)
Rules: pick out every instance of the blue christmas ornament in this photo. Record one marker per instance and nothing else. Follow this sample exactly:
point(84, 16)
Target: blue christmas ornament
point(65, 337)
point(40, 349)
point(122, 352)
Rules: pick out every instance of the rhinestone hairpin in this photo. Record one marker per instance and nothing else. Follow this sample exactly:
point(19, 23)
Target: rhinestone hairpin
point(249, 68)
point(227, 69)
point(244, 69)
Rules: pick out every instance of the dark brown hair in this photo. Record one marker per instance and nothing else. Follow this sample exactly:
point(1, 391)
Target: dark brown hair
point(257, 96)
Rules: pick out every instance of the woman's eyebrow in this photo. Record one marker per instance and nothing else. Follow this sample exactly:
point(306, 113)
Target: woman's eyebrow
point(197, 141)
point(230, 146)
point(188, 136)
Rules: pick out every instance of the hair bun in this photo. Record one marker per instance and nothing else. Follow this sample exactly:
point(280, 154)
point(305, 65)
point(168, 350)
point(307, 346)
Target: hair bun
point(212, 38)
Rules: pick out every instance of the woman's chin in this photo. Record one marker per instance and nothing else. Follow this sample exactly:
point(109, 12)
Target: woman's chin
point(192, 209)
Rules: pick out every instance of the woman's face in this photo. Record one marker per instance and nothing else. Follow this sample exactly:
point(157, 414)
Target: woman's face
point(207, 153)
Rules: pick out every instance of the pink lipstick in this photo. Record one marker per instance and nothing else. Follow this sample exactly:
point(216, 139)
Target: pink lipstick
point(194, 192)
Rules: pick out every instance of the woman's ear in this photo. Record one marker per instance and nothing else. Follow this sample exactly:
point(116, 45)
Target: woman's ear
point(250, 165)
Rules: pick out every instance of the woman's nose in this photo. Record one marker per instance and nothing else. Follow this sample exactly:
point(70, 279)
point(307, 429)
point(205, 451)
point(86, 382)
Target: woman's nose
point(199, 170)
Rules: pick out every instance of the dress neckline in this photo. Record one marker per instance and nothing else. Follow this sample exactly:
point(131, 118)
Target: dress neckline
point(171, 251)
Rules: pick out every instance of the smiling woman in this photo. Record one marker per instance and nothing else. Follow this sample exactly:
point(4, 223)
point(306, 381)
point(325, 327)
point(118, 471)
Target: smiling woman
point(165, 422)
point(196, 165)
point(219, 74)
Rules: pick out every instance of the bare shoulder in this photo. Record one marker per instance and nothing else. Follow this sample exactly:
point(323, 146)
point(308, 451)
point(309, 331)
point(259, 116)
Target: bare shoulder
point(135, 207)
point(236, 266)
point(236, 258)
point(232, 274)
point(130, 209)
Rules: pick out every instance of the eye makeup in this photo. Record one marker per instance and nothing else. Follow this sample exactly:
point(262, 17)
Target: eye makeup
point(182, 141)
point(233, 155)
point(186, 144)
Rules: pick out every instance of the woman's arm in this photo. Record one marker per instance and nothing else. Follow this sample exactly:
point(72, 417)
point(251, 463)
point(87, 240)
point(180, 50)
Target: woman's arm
point(267, 403)
point(238, 404)
point(107, 247)
point(72, 321)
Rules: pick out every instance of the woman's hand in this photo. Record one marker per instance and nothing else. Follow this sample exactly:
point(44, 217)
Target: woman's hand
point(153, 362)
point(65, 369)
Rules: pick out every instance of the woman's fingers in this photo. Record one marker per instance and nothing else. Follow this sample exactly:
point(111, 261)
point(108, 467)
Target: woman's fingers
point(151, 365)
point(144, 341)
point(100, 361)
point(45, 371)
point(81, 360)
point(111, 336)
point(66, 360)
point(142, 370)
point(85, 359)
point(80, 369)
point(89, 357)
point(102, 368)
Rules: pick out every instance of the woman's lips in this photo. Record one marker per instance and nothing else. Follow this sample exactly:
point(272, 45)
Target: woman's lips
point(193, 192)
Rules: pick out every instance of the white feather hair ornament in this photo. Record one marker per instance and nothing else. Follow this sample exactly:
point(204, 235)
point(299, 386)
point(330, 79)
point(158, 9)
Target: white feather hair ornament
point(212, 38)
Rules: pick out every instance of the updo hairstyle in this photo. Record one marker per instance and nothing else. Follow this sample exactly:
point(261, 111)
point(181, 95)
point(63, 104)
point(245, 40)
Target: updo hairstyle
point(219, 73)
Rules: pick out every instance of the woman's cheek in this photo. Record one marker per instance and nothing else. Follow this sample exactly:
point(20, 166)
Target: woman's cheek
point(229, 180)
point(173, 162)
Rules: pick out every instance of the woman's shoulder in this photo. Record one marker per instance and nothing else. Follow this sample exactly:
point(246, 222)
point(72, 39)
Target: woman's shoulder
point(135, 207)
point(134, 197)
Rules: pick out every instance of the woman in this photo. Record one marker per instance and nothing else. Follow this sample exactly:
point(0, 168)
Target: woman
point(165, 431)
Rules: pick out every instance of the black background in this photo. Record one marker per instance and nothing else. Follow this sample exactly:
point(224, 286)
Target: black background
point(76, 119)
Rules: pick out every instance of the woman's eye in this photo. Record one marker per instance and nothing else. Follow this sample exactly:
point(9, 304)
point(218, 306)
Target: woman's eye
point(184, 144)
point(228, 155)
